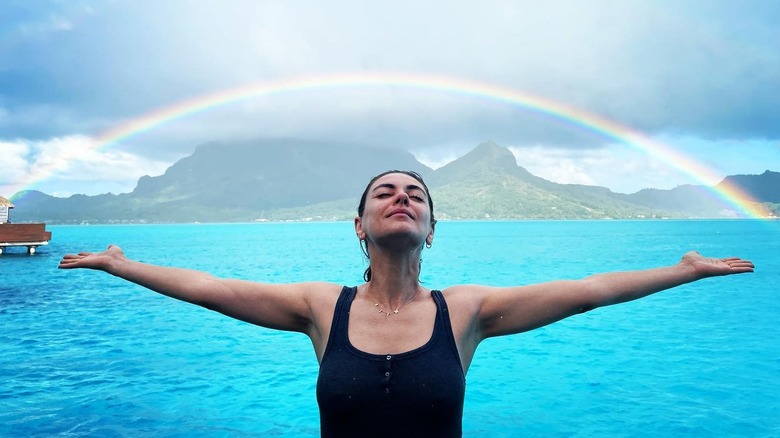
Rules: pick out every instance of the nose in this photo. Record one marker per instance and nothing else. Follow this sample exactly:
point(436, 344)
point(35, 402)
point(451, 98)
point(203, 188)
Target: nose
point(402, 198)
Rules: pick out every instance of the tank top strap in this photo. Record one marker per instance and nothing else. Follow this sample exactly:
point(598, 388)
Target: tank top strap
point(338, 328)
point(443, 318)
point(442, 310)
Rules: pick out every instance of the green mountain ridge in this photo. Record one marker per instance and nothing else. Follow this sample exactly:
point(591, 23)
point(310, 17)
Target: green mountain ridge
point(288, 179)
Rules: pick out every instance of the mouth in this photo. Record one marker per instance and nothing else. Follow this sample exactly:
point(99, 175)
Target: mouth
point(401, 212)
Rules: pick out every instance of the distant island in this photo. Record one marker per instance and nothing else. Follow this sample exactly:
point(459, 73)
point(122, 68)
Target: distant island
point(301, 180)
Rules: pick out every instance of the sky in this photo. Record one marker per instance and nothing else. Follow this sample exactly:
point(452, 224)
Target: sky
point(700, 79)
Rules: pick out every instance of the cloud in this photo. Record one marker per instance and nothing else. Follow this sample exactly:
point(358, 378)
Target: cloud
point(708, 71)
point(617, 167)
point(658, 67)
point(57, 165)
point(15, 163)
point(28, 20)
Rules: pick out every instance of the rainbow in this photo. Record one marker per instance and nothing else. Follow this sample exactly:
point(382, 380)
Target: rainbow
point(730, 194)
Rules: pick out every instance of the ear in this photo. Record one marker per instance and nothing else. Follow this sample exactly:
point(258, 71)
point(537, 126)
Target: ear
point(359, 228)
point(429, 237)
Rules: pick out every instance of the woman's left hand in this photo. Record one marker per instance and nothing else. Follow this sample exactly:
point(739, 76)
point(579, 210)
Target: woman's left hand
point(712, 267)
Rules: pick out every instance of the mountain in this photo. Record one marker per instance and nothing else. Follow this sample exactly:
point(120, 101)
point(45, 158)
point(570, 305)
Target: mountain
point(763, 188)
point(267, 175)
point(690, 199)
point(487, 183)
point(701, 200)
point(307, 180)
point(230, 182)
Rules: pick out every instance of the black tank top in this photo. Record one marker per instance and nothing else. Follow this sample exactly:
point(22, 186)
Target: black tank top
point(415, 393)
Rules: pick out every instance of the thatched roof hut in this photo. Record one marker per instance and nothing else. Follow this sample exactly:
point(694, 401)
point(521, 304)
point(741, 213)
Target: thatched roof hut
point(5, 203)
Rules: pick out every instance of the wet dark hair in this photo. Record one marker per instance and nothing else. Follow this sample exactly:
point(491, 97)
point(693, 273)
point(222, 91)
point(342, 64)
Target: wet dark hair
point(362, 207)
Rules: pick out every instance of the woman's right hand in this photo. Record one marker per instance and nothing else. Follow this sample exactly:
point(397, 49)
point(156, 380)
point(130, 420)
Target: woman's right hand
point(93, 260)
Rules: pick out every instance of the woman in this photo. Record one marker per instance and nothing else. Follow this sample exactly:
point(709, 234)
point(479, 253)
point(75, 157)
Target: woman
point(393, 354)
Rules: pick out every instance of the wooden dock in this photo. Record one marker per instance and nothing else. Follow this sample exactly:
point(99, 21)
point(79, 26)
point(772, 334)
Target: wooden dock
point(29, 235)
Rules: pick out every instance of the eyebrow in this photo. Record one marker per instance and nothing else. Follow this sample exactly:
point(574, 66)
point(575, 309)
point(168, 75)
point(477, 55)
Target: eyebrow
point(392, 186)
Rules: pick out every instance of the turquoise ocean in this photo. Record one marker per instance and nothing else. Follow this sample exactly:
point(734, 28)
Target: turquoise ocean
point(85, 354)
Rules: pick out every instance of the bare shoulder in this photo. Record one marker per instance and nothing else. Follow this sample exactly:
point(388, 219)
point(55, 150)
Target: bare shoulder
point(318, 292)
point(466, 292)
point(321, 297)
point(466, 298)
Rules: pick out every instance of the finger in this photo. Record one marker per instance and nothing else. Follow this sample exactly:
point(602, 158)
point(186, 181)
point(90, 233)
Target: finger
point(69, 260)
point(740, 265)
point(736, 261)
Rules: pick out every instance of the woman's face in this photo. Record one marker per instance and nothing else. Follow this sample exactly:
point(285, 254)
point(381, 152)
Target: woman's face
point(396, 213)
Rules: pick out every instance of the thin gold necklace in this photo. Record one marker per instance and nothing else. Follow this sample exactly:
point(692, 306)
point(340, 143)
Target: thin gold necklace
point(398, 309)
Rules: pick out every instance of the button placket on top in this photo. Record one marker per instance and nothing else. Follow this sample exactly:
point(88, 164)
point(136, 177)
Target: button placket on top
point(388, 374)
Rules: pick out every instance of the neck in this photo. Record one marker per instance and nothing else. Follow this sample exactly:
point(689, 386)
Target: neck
point(394, 277)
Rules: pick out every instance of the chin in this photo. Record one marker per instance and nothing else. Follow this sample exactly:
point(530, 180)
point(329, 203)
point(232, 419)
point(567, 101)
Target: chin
point(400, 240)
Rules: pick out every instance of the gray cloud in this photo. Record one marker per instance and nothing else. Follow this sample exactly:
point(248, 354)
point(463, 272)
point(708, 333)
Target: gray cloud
point(705, 70)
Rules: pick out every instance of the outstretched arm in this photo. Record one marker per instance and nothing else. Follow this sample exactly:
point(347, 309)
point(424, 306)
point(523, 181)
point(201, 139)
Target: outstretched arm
point(284, 307)
point(516, 309)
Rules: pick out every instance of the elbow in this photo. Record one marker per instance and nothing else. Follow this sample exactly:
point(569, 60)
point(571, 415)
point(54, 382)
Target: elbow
point(205, 294)
point(592, 297)
point(583, 308)
point(207, 304)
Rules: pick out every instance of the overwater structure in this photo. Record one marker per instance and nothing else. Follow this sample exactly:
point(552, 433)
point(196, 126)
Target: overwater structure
point(27, 235)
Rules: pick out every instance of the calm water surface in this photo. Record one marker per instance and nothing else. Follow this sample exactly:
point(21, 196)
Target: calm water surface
point(86, 354)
